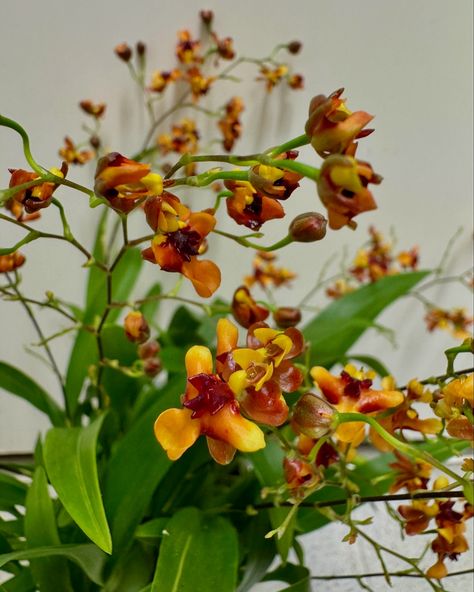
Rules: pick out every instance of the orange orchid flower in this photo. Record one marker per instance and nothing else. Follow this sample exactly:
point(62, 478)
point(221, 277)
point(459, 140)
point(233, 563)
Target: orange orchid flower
point(210, 409)
point(180, 237)
point(250, 208)
point(352, 392)
point(123, 182)
point(264, 372)
point(342, 187)
point(33, 199)
point(245, 310)
point(332, 127)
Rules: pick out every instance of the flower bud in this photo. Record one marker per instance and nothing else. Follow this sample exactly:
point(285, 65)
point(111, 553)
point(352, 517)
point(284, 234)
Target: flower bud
point(152, 366)
point(207, 16)
point(294, 47)
point(124, 52)
point(312, 416)
point(298, 473)
point(287, 316)
point(94, 141)
point(245, 310)
point(308, 227)
point(150, 349)
point(94, 109)
point(11, 262)
point(136, 327)
point(141, 48)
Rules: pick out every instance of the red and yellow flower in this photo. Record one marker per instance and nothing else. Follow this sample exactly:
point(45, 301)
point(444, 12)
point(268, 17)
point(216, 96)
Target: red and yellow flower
point(352, 392)
point(342, 187)
point(245, 310)
point(275, 182)
point(332, 127)
point(34, 198)
point(229, 124)
point(250, 208)
point(210, 409)
point(124, 182)
point(180, 237)
point(72, 155)
point(187, 49)
point(264, 372)
point(266, 273)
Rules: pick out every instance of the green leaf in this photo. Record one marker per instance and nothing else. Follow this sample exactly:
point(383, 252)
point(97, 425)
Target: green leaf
point(268, 464)
point(12, 491)
point(198, 550)
point(70, 458)
point(149, 309)
point(134, 571)
point(88, 557)
point(84, 352)
point(183, 328)
point(19, 384)
point(259, 550)
point(22, 582)
point(50, 573)
point(153, 529)
point(334, 330)
point(297, 575)
point(371, 362)
point(96, 275)
point(137, 465)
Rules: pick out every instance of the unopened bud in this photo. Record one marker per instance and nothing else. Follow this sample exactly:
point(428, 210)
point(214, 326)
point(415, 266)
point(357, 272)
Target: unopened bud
point(312, 416)
point(207, 16)
point(307, 228)
point(11, 262)
point(136, 327)
point(152, 366)
point(141, 48)
point(294, 47)
point(94, 141)
point(287, 316)
point(150, 349)
point(124, 52)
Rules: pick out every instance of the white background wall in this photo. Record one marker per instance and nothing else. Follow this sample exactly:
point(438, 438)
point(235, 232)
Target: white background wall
point(409, 62)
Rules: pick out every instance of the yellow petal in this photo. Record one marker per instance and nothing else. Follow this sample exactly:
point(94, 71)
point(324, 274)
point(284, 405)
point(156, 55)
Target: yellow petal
point(245, 356)
point(176, 431)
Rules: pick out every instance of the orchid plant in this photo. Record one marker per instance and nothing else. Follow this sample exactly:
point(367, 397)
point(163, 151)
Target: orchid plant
point(122, 493)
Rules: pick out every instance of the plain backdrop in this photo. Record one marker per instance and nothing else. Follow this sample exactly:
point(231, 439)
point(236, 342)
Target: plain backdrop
point(408, 62)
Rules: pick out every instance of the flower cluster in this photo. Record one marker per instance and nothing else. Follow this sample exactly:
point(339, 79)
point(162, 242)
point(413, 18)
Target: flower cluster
point(247, 386)
point(343, 183)
point(375, 260)
point(450, 524)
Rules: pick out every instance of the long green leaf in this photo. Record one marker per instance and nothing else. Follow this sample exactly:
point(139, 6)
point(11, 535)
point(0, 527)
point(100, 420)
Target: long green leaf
point(50, 573)
point(22, 582)
point(96, 275)
point(334, 330)
point(200, 552)
point(135, 469)
point(70, 458)
point(21, 385)
point(12, 491)
point(89, 558)
point(84, 352)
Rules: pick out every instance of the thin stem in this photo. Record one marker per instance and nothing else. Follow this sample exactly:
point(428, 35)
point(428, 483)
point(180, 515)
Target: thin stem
point(302, 140)
point(6, 122)
point(49, 353)
point(246, 243)
point(440, 378)
point(397, 574)
point(371, 499)
point(50, 305)
point(403, 447)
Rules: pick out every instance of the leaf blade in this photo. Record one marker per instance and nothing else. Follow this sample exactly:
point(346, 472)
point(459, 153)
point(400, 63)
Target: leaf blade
point(70, 458)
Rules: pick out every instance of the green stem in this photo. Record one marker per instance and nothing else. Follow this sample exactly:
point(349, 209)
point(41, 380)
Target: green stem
point(302, 140)
point(246, 243)
point(403, 447)
point(208, 178)
point(297, 167)
point(6, 122)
